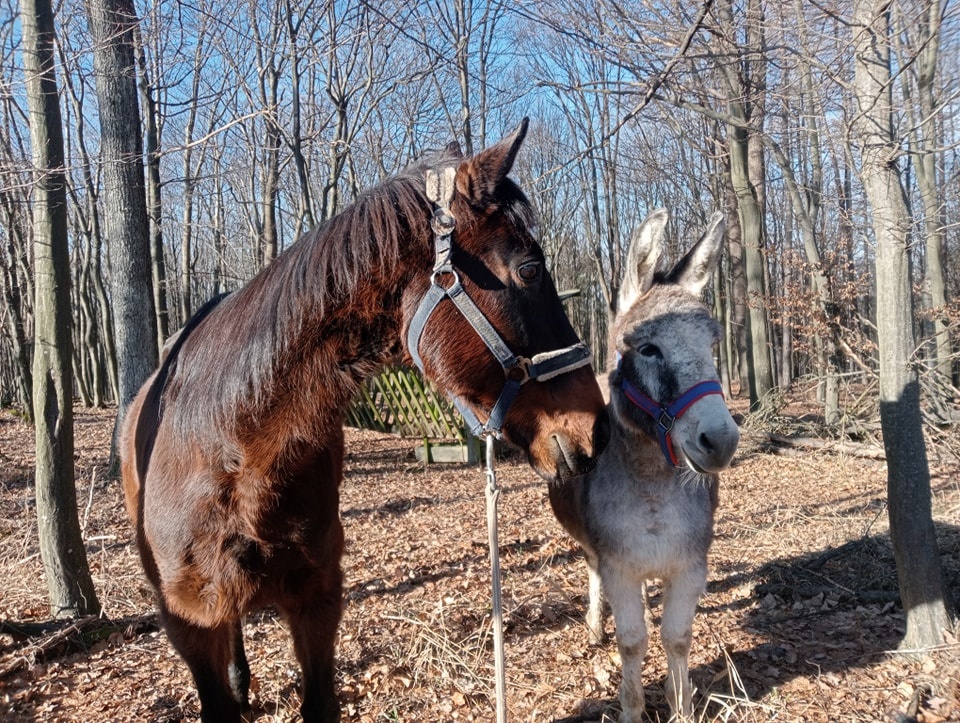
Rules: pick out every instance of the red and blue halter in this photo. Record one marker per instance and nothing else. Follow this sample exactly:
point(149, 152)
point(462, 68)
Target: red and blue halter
point(666, 415)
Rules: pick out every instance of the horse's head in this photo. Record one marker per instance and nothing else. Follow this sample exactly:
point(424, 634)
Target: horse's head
point(665, 382)
point(488, 327)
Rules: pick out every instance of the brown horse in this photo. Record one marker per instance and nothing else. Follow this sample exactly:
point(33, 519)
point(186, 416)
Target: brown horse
point(233, 450)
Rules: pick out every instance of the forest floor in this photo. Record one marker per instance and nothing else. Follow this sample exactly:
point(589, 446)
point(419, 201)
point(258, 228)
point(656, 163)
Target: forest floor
point(800, 622)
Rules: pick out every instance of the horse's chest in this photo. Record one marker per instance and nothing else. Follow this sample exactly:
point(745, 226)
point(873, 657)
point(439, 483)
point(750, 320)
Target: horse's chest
point(656, 528)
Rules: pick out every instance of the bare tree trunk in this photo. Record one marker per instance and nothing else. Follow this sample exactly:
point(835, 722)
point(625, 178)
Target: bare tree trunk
point(269, 80)
point(94, 236)
point(13, 297)
point(305, 217)
point(65, 565)
point(124, 197)
point(740, 93)
point(934, 221)
point(737, 332)
point(925, 598)
point(148, 108)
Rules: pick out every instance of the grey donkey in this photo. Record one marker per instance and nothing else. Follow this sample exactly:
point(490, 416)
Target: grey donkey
point(646, 511)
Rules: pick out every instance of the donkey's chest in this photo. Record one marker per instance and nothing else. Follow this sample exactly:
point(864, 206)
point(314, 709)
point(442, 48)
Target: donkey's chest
point(654, 527)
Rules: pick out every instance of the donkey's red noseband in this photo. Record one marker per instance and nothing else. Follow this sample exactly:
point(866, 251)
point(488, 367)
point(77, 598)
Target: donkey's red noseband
point(666, 415)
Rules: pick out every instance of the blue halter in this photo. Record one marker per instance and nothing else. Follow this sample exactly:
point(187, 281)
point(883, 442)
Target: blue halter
point(517, 370)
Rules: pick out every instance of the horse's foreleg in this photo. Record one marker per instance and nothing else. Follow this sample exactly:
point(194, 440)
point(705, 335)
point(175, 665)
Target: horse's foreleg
point(680, 597)
point(595, 611)
point(212, 656)
point(239, 669)
point(627, 601)
point(313, 622)
point(311, 604)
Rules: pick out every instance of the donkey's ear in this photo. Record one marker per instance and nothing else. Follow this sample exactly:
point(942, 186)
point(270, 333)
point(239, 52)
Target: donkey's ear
point(646, 245)
point(479, 176)
point(693, 271)
point(453, 150)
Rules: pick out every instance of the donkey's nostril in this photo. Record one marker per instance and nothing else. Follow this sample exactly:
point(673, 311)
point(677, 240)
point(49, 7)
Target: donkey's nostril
point(706, 445)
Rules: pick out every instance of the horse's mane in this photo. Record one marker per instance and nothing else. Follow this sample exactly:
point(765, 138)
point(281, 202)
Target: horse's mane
point(233, 360)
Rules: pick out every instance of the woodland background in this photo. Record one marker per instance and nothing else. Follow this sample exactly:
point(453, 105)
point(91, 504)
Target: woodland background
point(827, 132)
point(262, 119)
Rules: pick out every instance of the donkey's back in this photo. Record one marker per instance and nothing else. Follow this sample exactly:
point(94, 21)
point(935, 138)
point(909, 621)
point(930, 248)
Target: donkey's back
point(646, 511)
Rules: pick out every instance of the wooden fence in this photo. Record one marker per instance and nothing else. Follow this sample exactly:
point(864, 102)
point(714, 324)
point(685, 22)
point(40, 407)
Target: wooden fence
point(400, 401)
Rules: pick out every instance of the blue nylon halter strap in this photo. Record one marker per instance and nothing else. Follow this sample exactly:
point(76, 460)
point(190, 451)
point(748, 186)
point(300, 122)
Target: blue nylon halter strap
point(666, 415)
point(517, 370)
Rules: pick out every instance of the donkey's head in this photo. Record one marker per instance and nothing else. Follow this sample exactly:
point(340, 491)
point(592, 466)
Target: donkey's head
point(665, 382)
point(488, 327)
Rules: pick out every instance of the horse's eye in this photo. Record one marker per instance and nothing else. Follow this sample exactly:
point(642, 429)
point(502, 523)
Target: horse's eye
point(651, 351)
point(529, 272)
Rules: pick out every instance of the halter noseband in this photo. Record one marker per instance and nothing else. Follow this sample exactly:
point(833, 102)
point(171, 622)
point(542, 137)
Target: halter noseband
point(517, 370)
point(666, 415)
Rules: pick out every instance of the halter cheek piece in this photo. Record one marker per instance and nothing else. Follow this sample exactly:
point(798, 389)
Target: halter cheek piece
point(666, 415)
point(517, 370)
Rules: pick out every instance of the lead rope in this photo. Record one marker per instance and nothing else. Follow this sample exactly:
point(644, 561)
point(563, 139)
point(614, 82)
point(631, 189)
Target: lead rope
point(493, 496)
point(440, 187)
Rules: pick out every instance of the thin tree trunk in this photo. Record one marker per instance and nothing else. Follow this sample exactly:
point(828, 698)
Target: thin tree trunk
point(148, 108)
point(13, 296)
point(925, 599)
point(124, 196)
point(94, 235)
point(69, 584)
point(305, 217)
point(933, 208)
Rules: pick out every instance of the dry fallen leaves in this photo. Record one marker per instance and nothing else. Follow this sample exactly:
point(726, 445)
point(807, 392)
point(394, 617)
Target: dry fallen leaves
point(797, 624)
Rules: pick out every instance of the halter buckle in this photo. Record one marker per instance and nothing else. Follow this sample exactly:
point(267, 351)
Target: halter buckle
point(518, 372)
point(666, 426)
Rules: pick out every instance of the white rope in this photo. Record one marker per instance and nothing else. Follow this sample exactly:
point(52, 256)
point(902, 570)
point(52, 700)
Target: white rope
point(493, 495)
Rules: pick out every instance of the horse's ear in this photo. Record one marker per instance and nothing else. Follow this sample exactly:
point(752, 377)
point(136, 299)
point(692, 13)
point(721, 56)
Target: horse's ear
point(645, 248)
point(693, 271)
point(479, 176)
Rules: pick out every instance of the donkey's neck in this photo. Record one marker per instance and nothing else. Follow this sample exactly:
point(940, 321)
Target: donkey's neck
point(635, 449)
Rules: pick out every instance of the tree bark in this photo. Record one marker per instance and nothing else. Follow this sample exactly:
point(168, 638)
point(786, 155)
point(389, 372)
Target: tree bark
point(934, 221)
point(922, 589)
point(749, 207)
point(154, 199)
point(69, 584)
point(124, 196)
point(13, 296)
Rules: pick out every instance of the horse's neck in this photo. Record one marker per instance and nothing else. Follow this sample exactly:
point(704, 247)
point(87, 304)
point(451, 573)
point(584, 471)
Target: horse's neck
point(327, 354)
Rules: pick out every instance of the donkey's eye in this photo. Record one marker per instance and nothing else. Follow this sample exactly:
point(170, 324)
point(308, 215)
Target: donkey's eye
point(651, 351)
point(529, 272)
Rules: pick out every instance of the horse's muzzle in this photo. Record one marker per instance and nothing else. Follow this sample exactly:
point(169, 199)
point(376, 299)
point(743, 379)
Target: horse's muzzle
point(568, 452)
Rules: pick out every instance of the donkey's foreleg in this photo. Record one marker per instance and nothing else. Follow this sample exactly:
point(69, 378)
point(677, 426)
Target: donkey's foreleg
point(627, 601)
point(595, 611)
point(680, 597)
